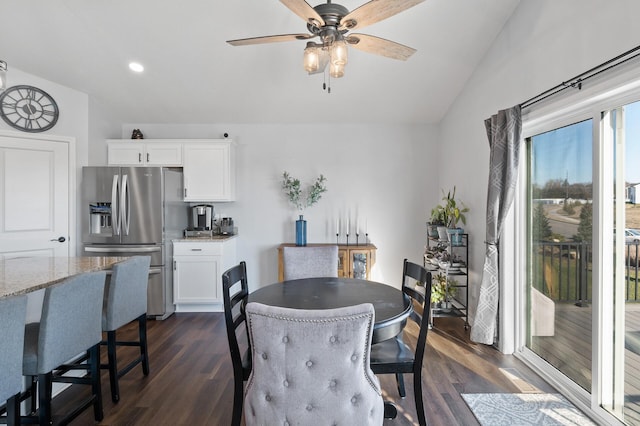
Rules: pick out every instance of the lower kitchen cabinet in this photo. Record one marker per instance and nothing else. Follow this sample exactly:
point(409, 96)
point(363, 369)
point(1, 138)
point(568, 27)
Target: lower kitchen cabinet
point(197, 273)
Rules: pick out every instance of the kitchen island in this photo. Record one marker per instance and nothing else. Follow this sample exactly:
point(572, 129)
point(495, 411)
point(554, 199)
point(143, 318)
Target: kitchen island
point(24, 275)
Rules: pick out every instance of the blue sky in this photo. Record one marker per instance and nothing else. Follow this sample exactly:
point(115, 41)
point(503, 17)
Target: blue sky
point(567, 152)
point(632, 142)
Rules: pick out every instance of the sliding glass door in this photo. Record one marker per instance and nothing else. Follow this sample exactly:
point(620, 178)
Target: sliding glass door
point(582, 287)
point(560, 196)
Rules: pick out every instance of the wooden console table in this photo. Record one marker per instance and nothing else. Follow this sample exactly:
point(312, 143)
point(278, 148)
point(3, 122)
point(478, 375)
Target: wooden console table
point(354, 261)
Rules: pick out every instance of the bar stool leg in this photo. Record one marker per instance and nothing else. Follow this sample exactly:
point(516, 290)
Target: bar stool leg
point(96, 388)
point(144, 353)
point(113, 366)
point(13, 410)
point(44, 398)
point(33, 387)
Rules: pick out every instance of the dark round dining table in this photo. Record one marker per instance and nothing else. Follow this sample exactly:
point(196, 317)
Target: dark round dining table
point(391, 305)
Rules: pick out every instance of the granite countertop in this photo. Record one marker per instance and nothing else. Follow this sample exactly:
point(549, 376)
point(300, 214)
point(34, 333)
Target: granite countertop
point(23, 275)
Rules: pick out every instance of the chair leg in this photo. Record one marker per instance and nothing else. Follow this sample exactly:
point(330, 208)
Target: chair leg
point(33, 406)
point(44, 398)
point(400, 381)
point(144, 352)
point(113, 366)
point(238, 387)
point(417, 392)
point(96, 387)
point(13, 410)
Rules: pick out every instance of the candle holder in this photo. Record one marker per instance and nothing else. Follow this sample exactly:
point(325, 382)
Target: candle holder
point(337, 239)
point(357, 238)
point(347, 238)
point(366, 238)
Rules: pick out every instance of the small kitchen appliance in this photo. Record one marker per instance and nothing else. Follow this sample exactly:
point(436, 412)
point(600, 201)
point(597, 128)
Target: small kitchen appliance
point(202, 215)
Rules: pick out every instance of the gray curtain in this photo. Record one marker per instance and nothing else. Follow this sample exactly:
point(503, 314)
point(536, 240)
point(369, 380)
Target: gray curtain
point(504, 131)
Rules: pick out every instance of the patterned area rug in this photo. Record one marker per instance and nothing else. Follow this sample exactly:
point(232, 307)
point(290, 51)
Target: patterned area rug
point(521, 409)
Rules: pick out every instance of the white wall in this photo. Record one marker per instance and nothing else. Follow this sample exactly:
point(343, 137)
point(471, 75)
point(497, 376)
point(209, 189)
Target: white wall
point(544, 43)
point(382, 173)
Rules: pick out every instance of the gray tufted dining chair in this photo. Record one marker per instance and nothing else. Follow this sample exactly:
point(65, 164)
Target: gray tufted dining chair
point(310, 262)
point(311, 367)
point(13, 312)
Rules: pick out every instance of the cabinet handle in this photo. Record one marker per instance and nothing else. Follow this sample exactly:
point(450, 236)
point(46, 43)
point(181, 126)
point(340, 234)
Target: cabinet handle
point(185, 193)
point(175, 265)
point(139, 157)
point(196, 249)
point(147, 157)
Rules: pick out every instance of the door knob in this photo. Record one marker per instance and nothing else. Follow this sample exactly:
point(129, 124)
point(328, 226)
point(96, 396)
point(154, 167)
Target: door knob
point(60, 239)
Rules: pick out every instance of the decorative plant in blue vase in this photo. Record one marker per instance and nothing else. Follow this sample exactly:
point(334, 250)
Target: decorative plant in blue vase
point(302, 199)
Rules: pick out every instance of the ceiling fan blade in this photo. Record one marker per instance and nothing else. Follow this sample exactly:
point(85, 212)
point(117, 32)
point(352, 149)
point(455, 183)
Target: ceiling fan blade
point(380, 46)
point(375, 11)
point(269, 39)
point(305, 11)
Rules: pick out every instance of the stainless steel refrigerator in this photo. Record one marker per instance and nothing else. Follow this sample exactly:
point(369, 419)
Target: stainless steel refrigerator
point(129, 211)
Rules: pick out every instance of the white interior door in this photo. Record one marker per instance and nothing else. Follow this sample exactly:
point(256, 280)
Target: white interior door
point(34, 195)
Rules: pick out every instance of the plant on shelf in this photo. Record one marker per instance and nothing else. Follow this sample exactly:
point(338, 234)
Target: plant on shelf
point(299, 198)
point(454, 211)
point(440, 291)
point(448, 214)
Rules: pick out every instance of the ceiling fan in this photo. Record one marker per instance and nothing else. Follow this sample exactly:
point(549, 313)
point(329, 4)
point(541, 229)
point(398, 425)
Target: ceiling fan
point(331, 23)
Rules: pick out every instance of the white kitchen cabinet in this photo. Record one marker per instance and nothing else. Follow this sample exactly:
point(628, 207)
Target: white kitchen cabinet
point(197, 273)
point(209, 170)
point(148, 153)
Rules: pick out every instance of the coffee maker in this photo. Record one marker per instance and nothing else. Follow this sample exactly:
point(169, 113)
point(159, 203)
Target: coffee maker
point(201, 214)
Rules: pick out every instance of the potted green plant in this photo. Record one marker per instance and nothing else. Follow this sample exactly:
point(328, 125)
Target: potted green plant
point(454, 212)
point(445, 218)
point(437, 219)
point(302, 199)
point(442, 292)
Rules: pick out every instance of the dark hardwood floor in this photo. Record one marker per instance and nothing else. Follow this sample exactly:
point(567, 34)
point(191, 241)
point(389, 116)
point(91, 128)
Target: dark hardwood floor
point(191, 379)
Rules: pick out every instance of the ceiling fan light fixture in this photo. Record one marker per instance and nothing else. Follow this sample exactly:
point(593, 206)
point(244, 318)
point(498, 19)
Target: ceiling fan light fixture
point(311, 59)
point(336, 70)
point(339, 54)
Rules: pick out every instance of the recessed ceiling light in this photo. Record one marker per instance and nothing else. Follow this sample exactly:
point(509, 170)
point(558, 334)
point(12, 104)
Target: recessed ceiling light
point(136, 67)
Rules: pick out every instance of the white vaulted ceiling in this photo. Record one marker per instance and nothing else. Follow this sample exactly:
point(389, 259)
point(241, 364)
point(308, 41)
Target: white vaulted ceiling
point(193, 76)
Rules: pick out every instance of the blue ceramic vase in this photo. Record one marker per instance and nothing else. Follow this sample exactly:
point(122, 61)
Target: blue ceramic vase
point(301, 232)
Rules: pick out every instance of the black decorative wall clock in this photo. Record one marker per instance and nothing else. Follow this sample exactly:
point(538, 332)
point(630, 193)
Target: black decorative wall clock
point(28, 108)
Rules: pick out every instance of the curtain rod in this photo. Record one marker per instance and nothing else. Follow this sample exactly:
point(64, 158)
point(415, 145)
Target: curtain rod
point(576, 82)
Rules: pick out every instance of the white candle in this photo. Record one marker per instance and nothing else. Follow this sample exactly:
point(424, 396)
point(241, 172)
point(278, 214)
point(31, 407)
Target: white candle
point(348, 224)
point(337, 225)
point(366, 226)
point(357, 225)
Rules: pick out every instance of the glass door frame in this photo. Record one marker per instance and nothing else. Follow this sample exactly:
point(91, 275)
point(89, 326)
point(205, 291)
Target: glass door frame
point(580, 105)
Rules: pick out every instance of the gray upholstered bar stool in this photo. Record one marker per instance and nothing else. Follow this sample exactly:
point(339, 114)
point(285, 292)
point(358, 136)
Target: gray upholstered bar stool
point(69, 326)
point(125, 301)
point(13, 312)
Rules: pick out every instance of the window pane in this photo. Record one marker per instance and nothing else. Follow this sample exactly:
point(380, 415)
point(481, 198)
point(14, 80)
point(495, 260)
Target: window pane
point(559, 248)
point(626, 133)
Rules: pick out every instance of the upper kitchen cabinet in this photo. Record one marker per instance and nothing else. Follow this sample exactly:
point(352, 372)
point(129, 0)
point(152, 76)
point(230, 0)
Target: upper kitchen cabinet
point(148, 153)
point(209, 170)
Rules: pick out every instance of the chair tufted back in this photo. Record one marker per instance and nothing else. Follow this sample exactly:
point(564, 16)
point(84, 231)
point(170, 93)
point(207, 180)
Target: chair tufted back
point(310, 262)
point(311, 367)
